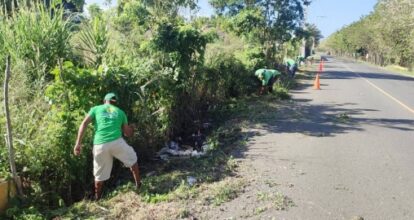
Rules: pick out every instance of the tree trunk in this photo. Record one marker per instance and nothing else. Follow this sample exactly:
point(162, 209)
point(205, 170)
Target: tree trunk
point(9, 128)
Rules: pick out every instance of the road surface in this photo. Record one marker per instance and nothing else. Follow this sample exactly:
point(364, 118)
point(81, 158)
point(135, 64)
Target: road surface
point(343, 152)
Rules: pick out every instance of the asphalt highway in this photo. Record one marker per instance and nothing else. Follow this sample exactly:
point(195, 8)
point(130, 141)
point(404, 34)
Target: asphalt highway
point(345, 151)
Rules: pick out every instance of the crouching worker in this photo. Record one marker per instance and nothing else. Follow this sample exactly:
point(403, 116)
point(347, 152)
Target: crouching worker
point(110, 122)
point(300, 60)
point(268, 77)
point(291, 67)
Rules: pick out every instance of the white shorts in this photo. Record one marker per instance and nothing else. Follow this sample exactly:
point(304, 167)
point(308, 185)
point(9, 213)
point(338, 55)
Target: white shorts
point(103, 155)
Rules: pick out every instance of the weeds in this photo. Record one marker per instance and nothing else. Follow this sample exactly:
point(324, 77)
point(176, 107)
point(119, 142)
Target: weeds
point(262, 196)
point(184, 213)
point(260, 210)
point(278, 201)
point(282, 202)
point(281, 89)
point(224, 191)
point(342, 118)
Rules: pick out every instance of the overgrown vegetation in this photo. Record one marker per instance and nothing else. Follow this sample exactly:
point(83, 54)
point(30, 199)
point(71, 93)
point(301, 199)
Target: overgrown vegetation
point(169, 184)
point(171, 75)
point(384, 37)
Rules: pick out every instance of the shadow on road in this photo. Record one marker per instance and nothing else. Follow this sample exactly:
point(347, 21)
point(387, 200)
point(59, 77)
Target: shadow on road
point(352, 75)
point(299, 116)
point(340, 74)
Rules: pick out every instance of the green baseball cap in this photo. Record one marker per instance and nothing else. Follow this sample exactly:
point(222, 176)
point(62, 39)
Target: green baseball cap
point(110, 96)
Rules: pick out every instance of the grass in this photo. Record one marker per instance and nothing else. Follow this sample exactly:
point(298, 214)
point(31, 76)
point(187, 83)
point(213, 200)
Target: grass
point(224, 191)
point(342, 118)
point(184, 213)
point(281, 202)
point(391, 68)
point(399, 69)
point(281, 90)
point(82, 210)
point(278, 201)
point(260, 210)
point(262, 196)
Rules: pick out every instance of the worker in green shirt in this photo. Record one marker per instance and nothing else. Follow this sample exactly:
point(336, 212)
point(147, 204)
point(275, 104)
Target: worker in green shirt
point(268, 78)
point(110, 122)
point(291, 67)
point(300, 60)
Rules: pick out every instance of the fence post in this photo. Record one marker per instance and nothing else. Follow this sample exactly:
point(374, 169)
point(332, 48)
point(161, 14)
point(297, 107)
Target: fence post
point(9, 141)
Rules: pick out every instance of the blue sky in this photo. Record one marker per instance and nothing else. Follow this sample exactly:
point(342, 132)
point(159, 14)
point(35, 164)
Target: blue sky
point(331, 15)
point(328, 15)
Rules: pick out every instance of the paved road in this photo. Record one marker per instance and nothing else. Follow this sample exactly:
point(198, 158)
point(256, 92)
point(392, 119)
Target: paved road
point(344, 151)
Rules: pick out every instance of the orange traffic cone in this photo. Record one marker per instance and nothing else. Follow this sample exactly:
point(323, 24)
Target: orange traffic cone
point(317, 84)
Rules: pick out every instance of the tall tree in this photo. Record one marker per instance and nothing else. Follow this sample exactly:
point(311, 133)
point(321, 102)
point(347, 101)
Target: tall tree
point(268, 22)
point(383, 37)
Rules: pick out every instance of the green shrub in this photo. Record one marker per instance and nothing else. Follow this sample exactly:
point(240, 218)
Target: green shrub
point(226, 77)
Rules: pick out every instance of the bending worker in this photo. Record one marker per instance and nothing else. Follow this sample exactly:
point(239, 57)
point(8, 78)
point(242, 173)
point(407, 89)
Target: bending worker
point(300, 60)
point(291, 66)
point(110, 123)
point(268, 78)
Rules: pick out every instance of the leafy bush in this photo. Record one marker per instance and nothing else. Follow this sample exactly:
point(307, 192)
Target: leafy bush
point(226, 77)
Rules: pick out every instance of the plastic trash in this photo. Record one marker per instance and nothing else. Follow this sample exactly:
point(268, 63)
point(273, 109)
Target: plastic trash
point(164, 157)
point(191, 180)
point(173, 145)
point(207, 147)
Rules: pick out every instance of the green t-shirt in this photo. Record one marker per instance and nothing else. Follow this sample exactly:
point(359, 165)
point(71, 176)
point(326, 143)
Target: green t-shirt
point(300, 59)
point(265, 75)
point(290, 62)
point(107, 120)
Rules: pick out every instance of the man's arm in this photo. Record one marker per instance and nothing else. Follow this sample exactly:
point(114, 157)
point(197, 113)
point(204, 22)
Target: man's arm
point(261, 90)
point(127, 130)
point(81, 132)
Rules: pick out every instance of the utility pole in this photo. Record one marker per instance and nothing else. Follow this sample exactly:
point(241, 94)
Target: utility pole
point(305, 17)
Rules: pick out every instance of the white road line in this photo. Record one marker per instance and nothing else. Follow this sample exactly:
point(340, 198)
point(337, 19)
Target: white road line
point(381, 90)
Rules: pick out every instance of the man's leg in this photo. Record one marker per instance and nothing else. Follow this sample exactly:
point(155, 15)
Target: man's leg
point(127, 155)
point(98, 189)
point(135, 174)
point(271, 82)
point(102, 166)
point(292, 71)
